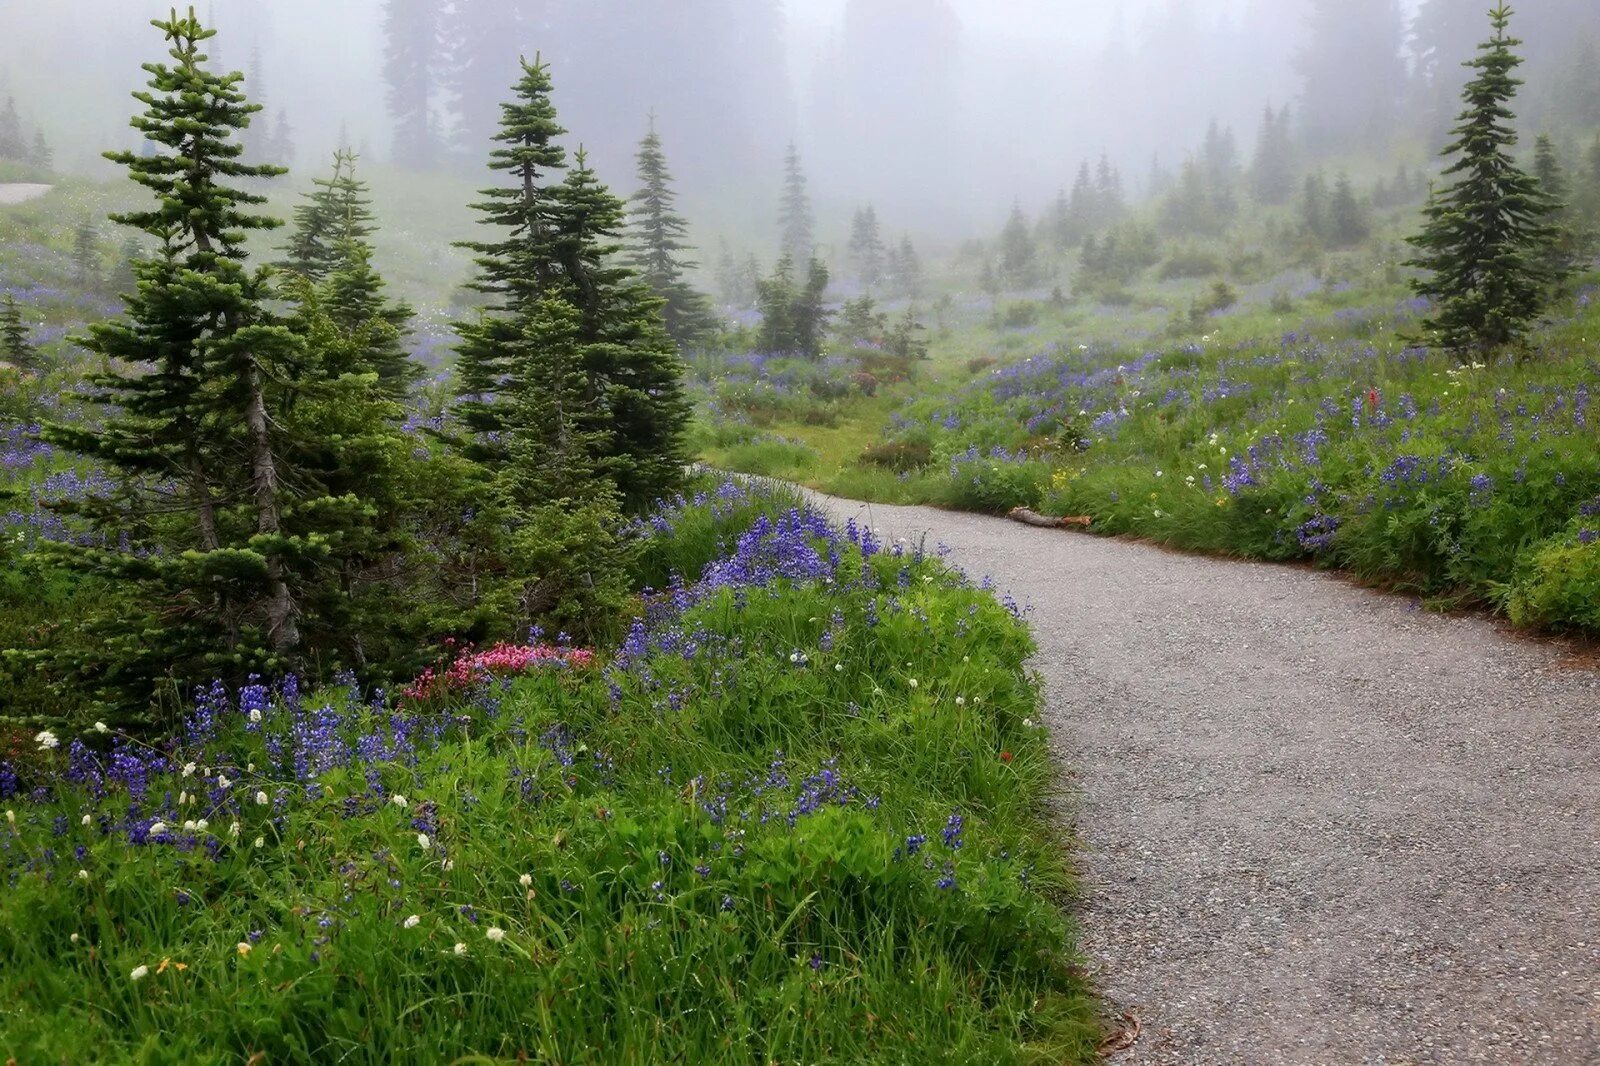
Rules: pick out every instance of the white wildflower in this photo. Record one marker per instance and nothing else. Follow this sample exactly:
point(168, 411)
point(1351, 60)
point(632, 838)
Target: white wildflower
point(83, 875)
point(188, 769)
point(46, 740)
point(398, 801)
point(101, 727)
point(423, 842)
point(261, 799)
point(157, 828)
point(495, 933)
point(912, 682)
point(526, 880)
point(412, 922)
point(139, 973)
point(261, 842)
point(222, 781)
point(202, 825)
point(190, 826)
point(460, 948)
point(255, 714)
point(961, 701)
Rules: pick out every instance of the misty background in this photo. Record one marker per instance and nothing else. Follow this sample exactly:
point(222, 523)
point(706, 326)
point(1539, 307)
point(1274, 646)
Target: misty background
point(941, 112)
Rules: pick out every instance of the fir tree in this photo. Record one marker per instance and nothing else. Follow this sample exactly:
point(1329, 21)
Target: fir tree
point(516, 269)
point(40, 156)
point(1484, 235)
point(660, 237)
point(635, 373)
point(1109, 201)
point(811, 311)
point(331, 250)
point(12, 144)
point(201, 511)
point(1570, 237)
point(866, 247)
point(16, 347)
point(337, 210)
point(1347, 223)
point(411, 36)
point(908, 270)
point(1083, 208)
point(775, 297)
point(1018, 257)
point(86, 257)
point(1314, 205)
point(795, 218)
point(1272, 172)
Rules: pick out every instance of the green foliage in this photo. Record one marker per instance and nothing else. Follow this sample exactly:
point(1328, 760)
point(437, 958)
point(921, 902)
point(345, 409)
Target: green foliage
point(794, 315)
point(1485, 235)
point(16, 344)
point(660, 237)
point(798, 224)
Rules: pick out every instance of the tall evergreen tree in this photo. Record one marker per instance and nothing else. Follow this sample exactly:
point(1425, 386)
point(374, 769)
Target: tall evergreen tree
point(1272, 172)
point(13, 145)
point(330, 248)
point(516, 269)
point(1572, 234)
point(795, 219)
point(1347, 222)
point(411, 62)
point(86, 257)
point(201, 511)
point(659, 241)
point(866, 247)
point(16, 346)
point(1018, 256)
point(1484, 234)
point(40, 155)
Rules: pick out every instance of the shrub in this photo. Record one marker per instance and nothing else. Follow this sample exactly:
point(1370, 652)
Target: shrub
point(1190, 263)
point(898, 455)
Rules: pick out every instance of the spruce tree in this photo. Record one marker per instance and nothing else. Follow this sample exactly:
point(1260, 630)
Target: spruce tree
point(659, 239)
point(775, 297)
point(1485, 234)
point(411, 55)
point(16, 347)
point(908, 270)
point(12, 144)
point(198, 526)
point(1272, 171)
point(40, 156)
point(1571, 235)
point(1347, 222)
point(330, 249)
point(866, 247)
point(516, 269)
point(810, 314)
point(1018, 257)
point(635, 373)
point(795, 218)
point(86, 257)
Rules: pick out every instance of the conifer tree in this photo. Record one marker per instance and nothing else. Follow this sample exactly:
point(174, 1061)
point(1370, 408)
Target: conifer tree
point(411, 55)
point(516, 269)
point(795, 218)
point(1570, 236)
point(40, 156)
point(209, 554)
point(1083, 207)
point(16, 347)
point(908, 270)
point(1109, 200)
point(866, 247)
point(660, 237)
point(1272, 171)
point(12, 144)
point(1485, 234)
point(635, 373)
point(811, 313)
point(330, 249)
point(1347, 222)
point(338, 209)
point(86, 257)
point(1018, 257)
point(775, 296)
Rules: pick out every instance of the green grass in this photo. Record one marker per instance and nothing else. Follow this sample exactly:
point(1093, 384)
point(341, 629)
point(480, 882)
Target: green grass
point(697, 851)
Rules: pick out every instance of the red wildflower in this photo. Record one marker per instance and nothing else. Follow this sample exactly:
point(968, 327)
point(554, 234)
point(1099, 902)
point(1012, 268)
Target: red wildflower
point(1373, 398)
point(1005, 756)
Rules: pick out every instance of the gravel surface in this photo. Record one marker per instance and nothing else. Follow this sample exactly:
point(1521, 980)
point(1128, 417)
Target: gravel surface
point(17, 192)
point(1314, 824)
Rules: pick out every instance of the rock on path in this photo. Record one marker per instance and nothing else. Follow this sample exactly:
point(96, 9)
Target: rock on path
point(19, 192)
point(1314, 824)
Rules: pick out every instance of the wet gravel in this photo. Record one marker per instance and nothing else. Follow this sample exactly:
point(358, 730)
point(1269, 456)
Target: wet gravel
point(1314, 824)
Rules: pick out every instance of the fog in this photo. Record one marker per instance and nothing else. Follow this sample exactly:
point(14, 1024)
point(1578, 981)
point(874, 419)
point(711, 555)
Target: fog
point(940, 112)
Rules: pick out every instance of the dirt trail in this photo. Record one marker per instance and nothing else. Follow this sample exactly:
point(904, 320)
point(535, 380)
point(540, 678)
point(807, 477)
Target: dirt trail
point(1316, 825)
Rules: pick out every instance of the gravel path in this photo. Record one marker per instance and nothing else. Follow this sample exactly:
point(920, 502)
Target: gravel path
point(1315, 824)
point(20, 192)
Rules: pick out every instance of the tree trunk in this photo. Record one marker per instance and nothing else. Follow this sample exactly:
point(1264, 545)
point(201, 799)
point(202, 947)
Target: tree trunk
point(283, 633)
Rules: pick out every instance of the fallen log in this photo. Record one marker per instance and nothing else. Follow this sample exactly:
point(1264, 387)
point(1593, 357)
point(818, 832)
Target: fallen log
point(1034, 518)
